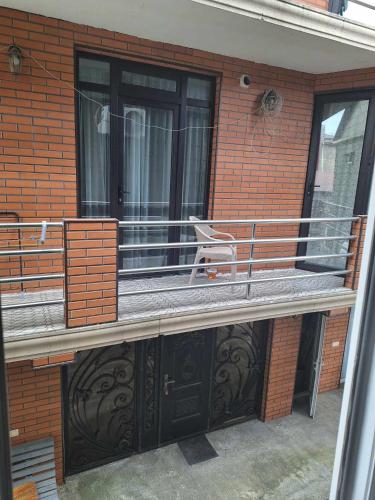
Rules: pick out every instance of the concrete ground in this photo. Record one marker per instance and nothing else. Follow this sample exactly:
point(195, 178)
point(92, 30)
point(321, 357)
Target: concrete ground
point(287, 459)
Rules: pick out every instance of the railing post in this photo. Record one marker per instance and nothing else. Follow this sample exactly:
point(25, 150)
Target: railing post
point(356, 248)
point(251, 256)
point(5, 460)
point(90, 271)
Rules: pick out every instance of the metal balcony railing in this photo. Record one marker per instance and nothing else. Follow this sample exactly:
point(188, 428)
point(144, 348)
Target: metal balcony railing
point(251, 243)
point(28, 251)
point(250, 262)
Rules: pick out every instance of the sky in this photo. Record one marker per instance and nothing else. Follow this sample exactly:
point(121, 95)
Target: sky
point(361, 14)
point(332, 123)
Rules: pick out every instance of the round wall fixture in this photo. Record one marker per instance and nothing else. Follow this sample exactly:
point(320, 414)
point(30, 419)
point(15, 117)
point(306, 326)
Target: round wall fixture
point(271, 103)
point(245, 81)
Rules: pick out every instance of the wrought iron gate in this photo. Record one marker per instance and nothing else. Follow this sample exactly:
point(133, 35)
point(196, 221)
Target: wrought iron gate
point(116, 401)
point(100, 394)
point(238, 372)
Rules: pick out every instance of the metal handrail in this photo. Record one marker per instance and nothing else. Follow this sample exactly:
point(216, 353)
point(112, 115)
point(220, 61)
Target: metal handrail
point(146, 246)
point(34, 251)
point(34, 277)
point(252, 241)
point(235, 221)
point(32, 304)
point(250, 261)
point(364, 4)
point(231, 283)
point(185, 267)
point(12, 225)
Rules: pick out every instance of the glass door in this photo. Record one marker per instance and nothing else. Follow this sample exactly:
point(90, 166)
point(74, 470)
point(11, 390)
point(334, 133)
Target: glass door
point(144, 141)
point(195, 172)
point(146, 178)
point(339, 173)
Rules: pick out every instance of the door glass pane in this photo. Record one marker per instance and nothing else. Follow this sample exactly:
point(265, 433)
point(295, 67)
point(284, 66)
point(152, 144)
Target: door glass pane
point(153, 82)
point(147, 158)
point(94, 154)
point(197, 88)
point(340, 150)
point(93, 71)
point(196, 155)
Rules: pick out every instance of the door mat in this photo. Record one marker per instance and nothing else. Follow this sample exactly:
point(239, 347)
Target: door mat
point(197, 449)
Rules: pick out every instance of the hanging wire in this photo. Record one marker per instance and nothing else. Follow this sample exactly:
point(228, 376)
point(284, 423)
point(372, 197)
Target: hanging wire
point(102, 106)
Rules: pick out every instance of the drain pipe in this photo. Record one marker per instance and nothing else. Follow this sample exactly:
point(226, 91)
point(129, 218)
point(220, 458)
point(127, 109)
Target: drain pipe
point(5, 464)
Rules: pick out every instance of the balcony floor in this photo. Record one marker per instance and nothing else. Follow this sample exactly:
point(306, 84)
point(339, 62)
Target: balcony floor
point(50, 318)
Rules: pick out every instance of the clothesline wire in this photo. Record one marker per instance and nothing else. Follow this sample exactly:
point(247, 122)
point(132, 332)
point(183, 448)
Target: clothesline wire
point(103, 106)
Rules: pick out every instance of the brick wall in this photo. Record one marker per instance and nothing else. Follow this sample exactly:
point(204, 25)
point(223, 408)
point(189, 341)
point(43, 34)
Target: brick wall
point(320, 4)
point(281, 365)
point(356, 248)
point(333, 350)
point(91, 271)
point(35, 405)
point(258, 165)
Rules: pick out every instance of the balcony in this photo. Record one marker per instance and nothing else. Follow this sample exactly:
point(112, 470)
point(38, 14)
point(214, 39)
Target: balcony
point(96, 301)
point(286, 34)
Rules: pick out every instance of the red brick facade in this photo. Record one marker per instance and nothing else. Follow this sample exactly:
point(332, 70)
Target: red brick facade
point(281, 365)
point(91, 271)
point(35, 406)
point(320, 4)
point(255, 161)
point(258, 169)
point(356, 248)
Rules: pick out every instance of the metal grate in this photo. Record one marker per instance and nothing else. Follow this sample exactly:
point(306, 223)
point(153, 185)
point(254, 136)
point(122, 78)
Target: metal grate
point(35, 462)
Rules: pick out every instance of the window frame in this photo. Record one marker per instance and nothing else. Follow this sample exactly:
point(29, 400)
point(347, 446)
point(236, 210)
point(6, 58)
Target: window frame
point(119, 91)
point(365, 170)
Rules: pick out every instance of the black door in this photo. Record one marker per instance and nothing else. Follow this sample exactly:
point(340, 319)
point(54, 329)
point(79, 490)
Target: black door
point(309, 361)
point(339, 172)
point(306, 356)
point(144, 149)
point(185, 384)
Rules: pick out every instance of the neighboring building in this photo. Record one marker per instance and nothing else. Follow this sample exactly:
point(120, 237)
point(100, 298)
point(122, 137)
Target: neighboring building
point(153, 112)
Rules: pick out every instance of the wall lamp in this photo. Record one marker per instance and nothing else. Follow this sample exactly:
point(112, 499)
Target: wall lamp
point(15, 59)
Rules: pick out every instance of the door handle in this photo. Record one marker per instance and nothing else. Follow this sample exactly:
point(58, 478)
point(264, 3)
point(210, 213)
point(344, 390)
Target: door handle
point(120, 194)
point(166, 384)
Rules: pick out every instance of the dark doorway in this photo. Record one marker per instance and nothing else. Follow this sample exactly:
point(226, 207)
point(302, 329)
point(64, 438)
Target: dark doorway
point(185, 384)
point(309, 362)
point(339, 173)
point(144, 148)
point(136, 396)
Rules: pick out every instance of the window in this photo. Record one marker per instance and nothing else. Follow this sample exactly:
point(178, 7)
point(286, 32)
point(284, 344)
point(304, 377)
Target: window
point(150, 159)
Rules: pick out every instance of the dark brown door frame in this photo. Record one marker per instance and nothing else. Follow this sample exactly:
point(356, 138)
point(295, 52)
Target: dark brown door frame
point(366, 166)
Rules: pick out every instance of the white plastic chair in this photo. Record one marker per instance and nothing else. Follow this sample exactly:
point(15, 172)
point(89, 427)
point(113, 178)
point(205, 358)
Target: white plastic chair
point(220, 253)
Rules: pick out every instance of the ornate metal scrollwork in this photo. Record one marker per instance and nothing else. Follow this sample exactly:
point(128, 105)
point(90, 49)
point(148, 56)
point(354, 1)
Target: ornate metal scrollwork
point(238, 368)
point(101, 395)
point(152, 353)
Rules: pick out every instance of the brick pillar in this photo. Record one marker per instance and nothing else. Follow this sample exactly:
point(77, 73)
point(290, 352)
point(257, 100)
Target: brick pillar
point(281, 365)
point(91, 271)
point(356, 248)
point(333, 350)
